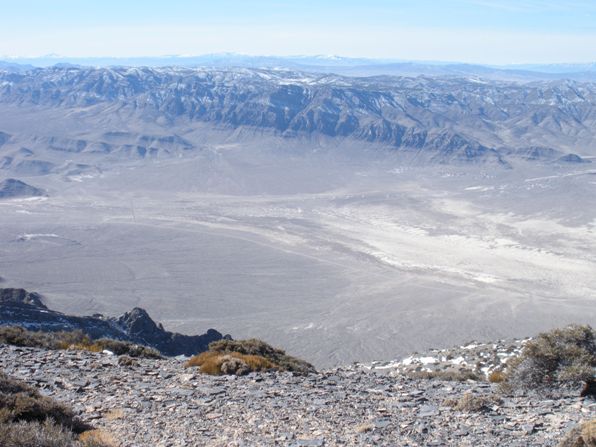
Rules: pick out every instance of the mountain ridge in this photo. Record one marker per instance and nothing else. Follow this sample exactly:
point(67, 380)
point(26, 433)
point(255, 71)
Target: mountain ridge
point(446, 119)
point(19, 307)
point(353, 66)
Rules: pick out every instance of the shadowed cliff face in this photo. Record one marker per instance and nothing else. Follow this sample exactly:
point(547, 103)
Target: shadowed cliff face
point(21, 308)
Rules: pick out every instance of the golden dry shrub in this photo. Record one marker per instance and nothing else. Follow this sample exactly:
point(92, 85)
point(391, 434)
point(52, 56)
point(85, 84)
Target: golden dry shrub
point(259, 348)
point(97, 438)
point(496, 376)
point(217, 363)
point(471, 402)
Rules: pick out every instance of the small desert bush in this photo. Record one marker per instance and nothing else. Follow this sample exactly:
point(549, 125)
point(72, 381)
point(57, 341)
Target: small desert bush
point(216, 363)
point(450, 375)
point(470, 402)
point(97, 438)
point(583, 435)
point(228, 355)
point(553, 359)
point(496, 376)
point(50, 434)
point(36, 434)
point(21, 402)
point(17, 336)
point(28, 419)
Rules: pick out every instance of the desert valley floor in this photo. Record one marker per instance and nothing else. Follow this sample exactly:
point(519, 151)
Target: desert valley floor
point(336, 261)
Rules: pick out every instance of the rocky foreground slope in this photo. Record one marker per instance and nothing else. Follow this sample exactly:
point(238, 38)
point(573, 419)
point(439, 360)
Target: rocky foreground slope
point(161, 403)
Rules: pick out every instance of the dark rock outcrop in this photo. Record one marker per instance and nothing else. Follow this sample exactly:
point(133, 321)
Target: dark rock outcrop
point(21, 308)
point(20, 298)
point(589, 389)
point(138, 325)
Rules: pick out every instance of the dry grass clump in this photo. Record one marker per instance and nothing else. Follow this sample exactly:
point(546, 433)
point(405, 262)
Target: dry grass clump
point(97, 438)
point(553, 359)
point(20, 402)
point(216, 363)
point(365, 427)
point(29, 419)
point(496, 376)
point(583, 435)
point(18, 336)
point(38, 434)
point(49, 434)
point(450, 375)
point(470, 402)
point(243, 356)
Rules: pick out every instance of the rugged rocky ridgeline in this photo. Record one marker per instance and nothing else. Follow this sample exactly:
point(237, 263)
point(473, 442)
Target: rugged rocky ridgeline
point(21, 308)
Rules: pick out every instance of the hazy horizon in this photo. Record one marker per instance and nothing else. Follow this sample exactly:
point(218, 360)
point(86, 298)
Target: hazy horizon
point(468, 31)
point(44, 60)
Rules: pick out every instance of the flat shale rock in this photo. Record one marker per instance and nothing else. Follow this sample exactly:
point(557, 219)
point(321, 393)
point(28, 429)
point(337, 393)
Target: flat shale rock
point(160, 403)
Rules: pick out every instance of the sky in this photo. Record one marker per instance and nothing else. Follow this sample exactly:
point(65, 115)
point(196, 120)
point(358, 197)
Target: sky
point(473, 31)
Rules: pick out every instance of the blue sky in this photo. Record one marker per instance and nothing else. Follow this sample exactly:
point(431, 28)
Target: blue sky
point(479, 31)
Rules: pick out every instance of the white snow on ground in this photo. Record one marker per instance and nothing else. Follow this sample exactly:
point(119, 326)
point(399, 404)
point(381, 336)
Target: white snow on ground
point(428, 360)
point(470, 346)
point(28, 237)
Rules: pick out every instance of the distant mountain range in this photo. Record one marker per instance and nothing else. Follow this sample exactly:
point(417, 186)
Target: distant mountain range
point(439, 120)
point(323, 64)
